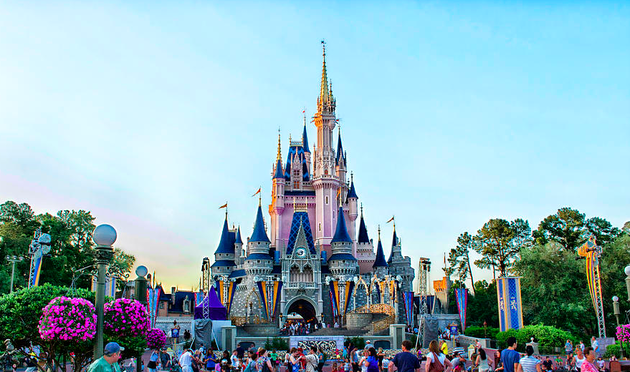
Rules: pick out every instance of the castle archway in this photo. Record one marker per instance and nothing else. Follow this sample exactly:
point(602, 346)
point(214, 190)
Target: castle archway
point(304, 308)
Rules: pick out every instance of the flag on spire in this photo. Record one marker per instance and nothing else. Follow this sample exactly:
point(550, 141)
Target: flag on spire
point(391, 219)
point(223, 206)
point(257, 192)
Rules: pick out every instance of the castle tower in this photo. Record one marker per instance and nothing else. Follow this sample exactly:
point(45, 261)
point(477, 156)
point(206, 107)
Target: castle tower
point(380, 265)
point(325, 180)
point(276, 208)
point(224, 255)
point(353, 212)
point(342, 262)
point(364, 248)
point(399, 265)
point(305, 146)
point(239, 252)
point(258, 261)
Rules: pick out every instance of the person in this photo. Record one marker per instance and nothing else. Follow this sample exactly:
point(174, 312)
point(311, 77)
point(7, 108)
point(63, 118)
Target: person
point(578, 359)
point(589, 364)
point(210, 360)
point(568, 347)
point(226, 364)
point(601, 365)
point(529, 363)
point(372, 360)
point(251, 363)
point(240, 351)
point(385, 364)
point(547, 365)
point(405, 361)
point(335, 367)
point(153, 360)
point(582, 346)
point(355, 356)
point(595, 344)
point(321, 360)
point(482, 361)
point(347, 367)
point(235, 360)
point(274, 358)
point(497, 366)
point(368, 344)
point(185, 361)
point(109, 361)
point(380, 355)
point(262, 362)
point(444, 347)
point(510, 357)
point(196, 364)
point(312, 360)
point(165, 359)
point(175, 332)
point(459, 362)
point(436, 359)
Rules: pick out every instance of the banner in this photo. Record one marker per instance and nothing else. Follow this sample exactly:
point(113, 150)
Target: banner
point(262, 292)
point(408, 302)
point(153, 298)
point(348, 295)
point(334, 297)
point(230, 296)
point(461, 297)
point(429, 300)
point(275, 297)
point(198, 298)
point(37, 264)
point(110, 286)
point(510, 304)
point(376, 287)
point(220, 287)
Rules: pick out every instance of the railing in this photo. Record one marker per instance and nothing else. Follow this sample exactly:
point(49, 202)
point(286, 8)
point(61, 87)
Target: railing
point(242, 320)
point(301, 285)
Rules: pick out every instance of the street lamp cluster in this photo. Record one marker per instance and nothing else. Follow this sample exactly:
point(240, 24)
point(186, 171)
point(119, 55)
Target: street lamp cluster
point(616, 309)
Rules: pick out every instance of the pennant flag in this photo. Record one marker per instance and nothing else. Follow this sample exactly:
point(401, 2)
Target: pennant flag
point(262, 292)
point(334, 297)
point(338, 192)
point(223, 206)
point(256, 193)
point(153, 298)
point(275, 297)
point(348, 294)
point(37, 262)
point(461, 296)
point(390, 220)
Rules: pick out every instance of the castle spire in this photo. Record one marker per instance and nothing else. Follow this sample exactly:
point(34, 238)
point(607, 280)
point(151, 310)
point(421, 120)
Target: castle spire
point(305, 136)
point(324, 93)
point(363, 234)
point(279, 146)
point(279, 173)
point(380, 256)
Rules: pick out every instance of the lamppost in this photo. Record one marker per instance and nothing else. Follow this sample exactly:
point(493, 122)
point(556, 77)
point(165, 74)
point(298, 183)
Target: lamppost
point(104, 236)
point(13, 260)
point(617, 313)
point(140, 292)
point(627, 271)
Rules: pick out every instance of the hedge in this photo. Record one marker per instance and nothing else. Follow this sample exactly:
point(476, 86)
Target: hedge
point(548, 337)
point(480, 332)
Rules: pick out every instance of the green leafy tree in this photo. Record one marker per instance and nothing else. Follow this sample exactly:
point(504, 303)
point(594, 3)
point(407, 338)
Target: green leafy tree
point(482, 306)
point(459, 259)
point(603, 230)
point(499, 243)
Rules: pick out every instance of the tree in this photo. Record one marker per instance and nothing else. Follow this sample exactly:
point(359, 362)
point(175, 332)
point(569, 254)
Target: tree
point(499, 243)
point(483, 305)
point(459, 259)
point(603, 230)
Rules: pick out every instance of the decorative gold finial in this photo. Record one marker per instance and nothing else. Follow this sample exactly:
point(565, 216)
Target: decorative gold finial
point(361, 209)
point(294, 205)
point(379, 232)
point(279, 147)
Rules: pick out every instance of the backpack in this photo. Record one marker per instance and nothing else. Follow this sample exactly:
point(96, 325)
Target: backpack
point(436, 365)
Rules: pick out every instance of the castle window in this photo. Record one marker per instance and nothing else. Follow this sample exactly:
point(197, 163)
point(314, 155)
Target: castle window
point(296, 184)
point(327, 200)
point(320, 226)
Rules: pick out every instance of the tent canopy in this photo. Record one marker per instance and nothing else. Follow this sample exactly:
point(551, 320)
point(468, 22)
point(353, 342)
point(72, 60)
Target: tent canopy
point(210, 307)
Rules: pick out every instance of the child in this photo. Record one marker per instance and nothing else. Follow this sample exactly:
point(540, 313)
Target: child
point(347, 366)
point(335, 368)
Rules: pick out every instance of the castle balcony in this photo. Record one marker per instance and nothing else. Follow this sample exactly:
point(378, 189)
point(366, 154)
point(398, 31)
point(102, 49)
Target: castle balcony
point(301, 285)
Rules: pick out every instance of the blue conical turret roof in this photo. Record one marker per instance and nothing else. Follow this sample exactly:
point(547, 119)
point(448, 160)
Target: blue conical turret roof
point(238, 236)
point(279, 173)
point(305, 138)
point(226, 245)
point(339, 150)
point(394, 244)
point(363, 234)
point(352, 193)
point(380, 256)
point(259, 234)
point(341, 234)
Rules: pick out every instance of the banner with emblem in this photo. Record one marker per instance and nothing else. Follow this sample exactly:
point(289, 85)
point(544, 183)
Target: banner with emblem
point(348, 295)
point(275, 297)
point(510, 304)
point(461, 298)
point(334, 297)
point(230, 295)
point(408, 302)
point(262, 293)
point(153, 298)
point(220, 287)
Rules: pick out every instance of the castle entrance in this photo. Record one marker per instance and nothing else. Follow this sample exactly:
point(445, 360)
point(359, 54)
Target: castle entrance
point(305, 309)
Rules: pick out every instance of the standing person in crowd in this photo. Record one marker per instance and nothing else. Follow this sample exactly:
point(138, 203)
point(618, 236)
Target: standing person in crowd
point(497, 366)
point(175, 333)
point(226, 363)
point(380, 355)
point(109, 361)
point(510, 357)
point(354, 358)
point(263, 363)
point(311, 359)
point(589, 364)
point(578, 359)
point(185, 361)
point(363, 361)
point(372, 360)
point(235, 360)
point(547, 365)
point(582, 346)
point(444, 347)
point(436, 359)
point(240, 351)
point(210, 360)
point(251, 362)
point(568, 347)
point(405, 361)
point(153, 360)
point(529, 363)
point(321, 360)
point(197, 362)
point(347, 367)
point(594, 345)
point(274, 358)
point(482, 361)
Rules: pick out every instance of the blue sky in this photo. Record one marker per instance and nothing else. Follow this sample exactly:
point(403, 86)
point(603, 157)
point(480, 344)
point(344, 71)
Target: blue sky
point(153, 114)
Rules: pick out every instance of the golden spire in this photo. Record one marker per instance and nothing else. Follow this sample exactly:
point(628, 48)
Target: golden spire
point(379, 229)
point(279, 147)
point(324, 95)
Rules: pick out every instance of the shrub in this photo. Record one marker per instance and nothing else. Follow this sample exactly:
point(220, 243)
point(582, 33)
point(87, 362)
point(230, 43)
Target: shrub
point(503, 336)
point(547, 337)
point(357, 341)
point(124, 317)
point(68, 319)
point(623, 333)
point(277, 343)
point(614, 350)
point(480, 332)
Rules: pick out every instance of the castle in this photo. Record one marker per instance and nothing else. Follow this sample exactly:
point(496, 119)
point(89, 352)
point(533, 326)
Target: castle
point(314, 261)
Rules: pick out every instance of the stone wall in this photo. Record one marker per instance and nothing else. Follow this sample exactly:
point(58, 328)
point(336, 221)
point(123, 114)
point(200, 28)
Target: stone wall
point(358, 320)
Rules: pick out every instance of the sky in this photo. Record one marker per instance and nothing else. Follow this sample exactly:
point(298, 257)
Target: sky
point(152, 114)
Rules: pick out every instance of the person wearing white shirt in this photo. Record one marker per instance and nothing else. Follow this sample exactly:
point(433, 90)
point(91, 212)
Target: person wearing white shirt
point(185, 361)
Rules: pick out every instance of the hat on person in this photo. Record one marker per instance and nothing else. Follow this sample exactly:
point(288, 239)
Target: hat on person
point(113, 348)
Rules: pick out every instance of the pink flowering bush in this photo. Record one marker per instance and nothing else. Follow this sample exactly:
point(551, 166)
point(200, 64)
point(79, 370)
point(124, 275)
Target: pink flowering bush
point(68, 319)
point(623, 333)
point(156, 338)
point(124, 317)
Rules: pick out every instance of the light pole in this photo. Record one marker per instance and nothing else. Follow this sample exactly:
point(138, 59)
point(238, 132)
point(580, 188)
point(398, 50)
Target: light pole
point(104, 236)
point(140, 292)
point(13, 260)
point(617, 313)
point(627, 271)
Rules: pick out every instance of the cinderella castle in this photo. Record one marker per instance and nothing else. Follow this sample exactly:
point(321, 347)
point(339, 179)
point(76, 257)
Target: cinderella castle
point(313, 260)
